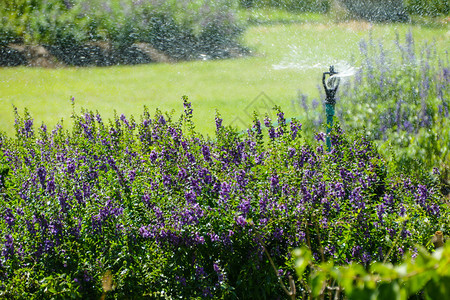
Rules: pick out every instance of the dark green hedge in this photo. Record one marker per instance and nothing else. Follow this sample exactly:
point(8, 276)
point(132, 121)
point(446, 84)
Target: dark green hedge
point(181, 30)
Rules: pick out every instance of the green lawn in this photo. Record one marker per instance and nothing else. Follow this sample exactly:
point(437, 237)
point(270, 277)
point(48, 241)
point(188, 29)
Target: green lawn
point(232, 86)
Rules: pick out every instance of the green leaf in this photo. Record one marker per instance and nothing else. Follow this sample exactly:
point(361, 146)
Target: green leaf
point(438, 288)
point(361, 293)
point(390, 290)
point(303, 259)
point(317, 281)
point(415, 283)
point(349, 277)
point(423, 259)
point(384, 270)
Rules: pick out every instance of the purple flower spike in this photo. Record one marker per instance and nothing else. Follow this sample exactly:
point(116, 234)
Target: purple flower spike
point(267, 122)
point(320, 137)
point(240, 220)
point(206, 153)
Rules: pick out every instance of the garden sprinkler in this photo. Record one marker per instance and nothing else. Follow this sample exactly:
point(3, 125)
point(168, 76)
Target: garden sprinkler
point(330, 85)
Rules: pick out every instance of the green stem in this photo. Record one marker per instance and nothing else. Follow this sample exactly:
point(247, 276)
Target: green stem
point(329, 109)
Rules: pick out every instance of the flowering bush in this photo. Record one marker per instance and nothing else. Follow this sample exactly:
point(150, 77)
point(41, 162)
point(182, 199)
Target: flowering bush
point(153, 208)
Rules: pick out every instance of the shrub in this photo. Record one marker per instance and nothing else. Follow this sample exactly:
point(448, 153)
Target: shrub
point(377, 10)
point(162, 211)
point(182, 30)
point(427, 7)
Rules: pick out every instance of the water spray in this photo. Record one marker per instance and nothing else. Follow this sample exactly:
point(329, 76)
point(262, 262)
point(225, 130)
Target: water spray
point(330, 85)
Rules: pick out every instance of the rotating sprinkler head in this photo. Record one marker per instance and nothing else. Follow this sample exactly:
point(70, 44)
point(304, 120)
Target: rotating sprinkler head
point(333, 82)
point(331, 85)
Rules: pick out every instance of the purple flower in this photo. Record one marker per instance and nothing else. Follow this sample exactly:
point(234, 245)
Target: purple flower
point(79, 196)
point(240, 220)
point(436, 171)
point(206, 292)
point(175, 134)
point(213, 236)
point(279, 132)
point(304, 104)
point(182, 174)
point(281, 119)
point(8, 251)
point(381, 209)
point(63, 202)
point(330, 250)
point(244, 206)
point(356, 199)
point(86, 276)
point(267, 121)
point(422, 195)
point(187, 107)
point(190, 157)
point(295, 127)
point(181, 280)
point(51, 186)
point(274, 182)
point(263, 203)
point(402, 210)
point(366, 258)
point(131, 175)
point(48, 246)
point(42, 173)
point(216, 268)
point(320, 137)
point(161, 120)
point(206, 153)
point(272, 133)
point(167, 180)
point(257, 126)
point(388, 199)
point(218, 123)
point(28, 128)
point(200, 240)
point(44, 128)
point(9, 218)
point(241, 179)
point(70, 167)
point(190, 197)
point(356, 251)
point(315, 103)
point(123, 119)
point(153, 156)
point(278, 233)
point(200, 271)
point(225, 190)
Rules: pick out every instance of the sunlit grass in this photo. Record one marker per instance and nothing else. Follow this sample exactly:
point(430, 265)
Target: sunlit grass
point(230, 86)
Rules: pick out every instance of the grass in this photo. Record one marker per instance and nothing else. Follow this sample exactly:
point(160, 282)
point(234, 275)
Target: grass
point(236, 87)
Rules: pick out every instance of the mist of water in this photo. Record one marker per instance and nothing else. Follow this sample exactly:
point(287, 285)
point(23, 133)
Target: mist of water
point(309, 65)
point(343, 68)
point(300, 60)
